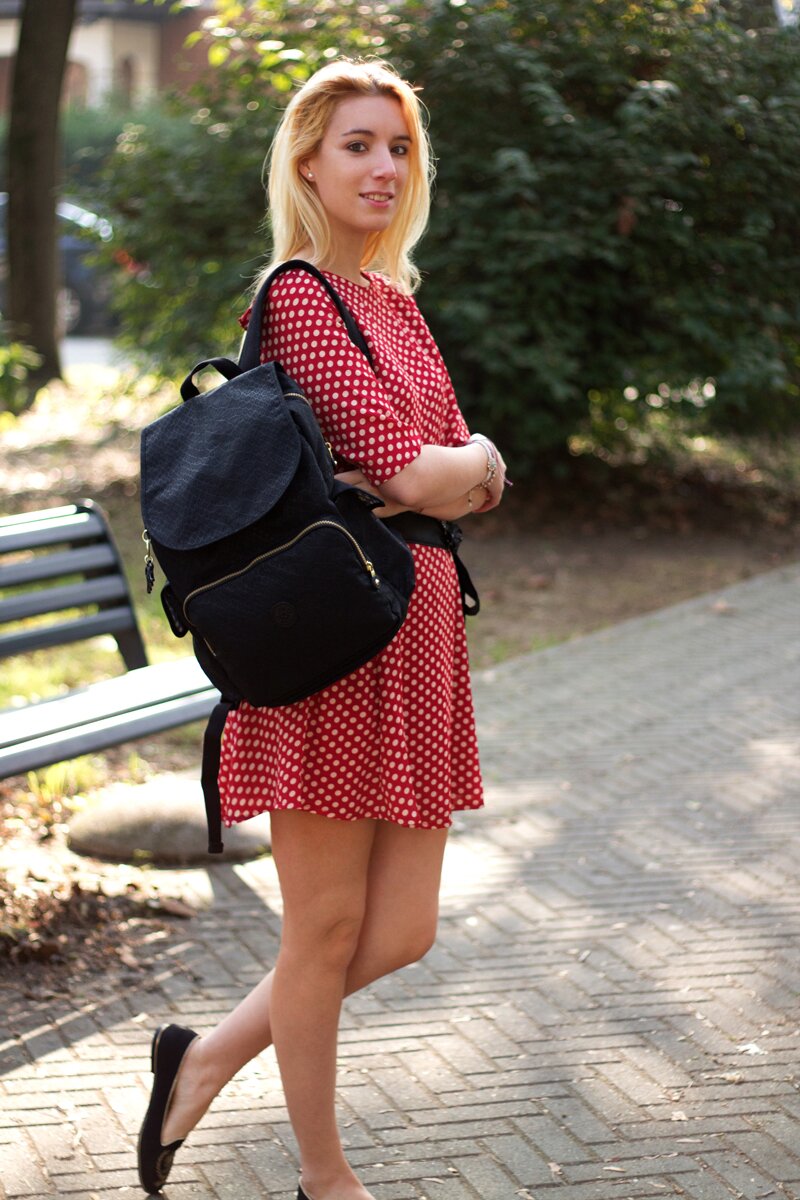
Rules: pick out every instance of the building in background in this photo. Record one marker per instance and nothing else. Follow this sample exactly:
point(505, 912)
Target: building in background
point(118, 48)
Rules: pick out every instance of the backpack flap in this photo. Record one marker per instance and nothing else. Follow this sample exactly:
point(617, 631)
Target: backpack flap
point(210, 468)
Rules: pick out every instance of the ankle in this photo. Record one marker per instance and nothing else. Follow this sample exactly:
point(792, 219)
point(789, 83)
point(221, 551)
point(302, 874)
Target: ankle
point(327, 1183)
point(209, 1073)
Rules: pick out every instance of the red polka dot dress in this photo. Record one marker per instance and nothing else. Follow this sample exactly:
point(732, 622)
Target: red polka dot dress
point(395, 740)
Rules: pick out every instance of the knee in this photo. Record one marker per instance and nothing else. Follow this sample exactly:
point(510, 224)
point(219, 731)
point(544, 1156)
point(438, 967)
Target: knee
point(414, 946)
point(338, 941)
point(329, 942)
point(384, 953)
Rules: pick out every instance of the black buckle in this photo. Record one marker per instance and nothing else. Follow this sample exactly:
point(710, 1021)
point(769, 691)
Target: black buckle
point(452, 535)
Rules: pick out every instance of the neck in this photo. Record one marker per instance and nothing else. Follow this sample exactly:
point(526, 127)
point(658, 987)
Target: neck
point(347, 256)
point(334, 263)
point(347, 270)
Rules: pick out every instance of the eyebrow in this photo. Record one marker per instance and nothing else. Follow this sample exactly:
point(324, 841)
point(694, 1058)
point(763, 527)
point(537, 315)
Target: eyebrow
point(398, 137)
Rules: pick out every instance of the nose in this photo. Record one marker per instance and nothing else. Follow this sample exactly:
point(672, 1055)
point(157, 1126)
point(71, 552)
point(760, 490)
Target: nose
point(385, 167)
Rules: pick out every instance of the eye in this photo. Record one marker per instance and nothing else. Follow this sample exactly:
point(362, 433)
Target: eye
point(356, 147)
point(401, 149)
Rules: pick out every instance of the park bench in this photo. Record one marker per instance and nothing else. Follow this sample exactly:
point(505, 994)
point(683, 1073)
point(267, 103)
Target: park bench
point(62, 581)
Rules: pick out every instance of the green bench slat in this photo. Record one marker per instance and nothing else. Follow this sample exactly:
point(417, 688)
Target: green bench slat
point(50, 566)
point(103, 590)
point(104, 732)
point(111, 697)
point(63, 633)
point(33, 534)
point(38, 517)
point(145, 701)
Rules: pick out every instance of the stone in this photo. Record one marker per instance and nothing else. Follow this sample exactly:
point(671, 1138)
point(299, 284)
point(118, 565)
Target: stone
point(161, 821)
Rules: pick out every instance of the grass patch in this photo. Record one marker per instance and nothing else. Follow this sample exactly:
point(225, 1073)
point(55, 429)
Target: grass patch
point(45, 674)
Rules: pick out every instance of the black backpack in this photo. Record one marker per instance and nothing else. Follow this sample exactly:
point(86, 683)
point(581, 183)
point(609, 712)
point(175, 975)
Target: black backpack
point(284, 577)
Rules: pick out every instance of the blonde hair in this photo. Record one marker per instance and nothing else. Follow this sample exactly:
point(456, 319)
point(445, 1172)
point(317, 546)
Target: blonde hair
point(299, 221)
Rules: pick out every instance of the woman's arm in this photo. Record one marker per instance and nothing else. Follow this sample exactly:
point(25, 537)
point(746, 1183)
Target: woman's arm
point(443, 475)
point(444, 468)
point(304, 332)
point(454, 511)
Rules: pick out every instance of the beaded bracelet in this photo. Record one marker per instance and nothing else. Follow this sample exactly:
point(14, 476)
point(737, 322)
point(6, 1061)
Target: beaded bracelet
point(471, 490)
point(491, 458)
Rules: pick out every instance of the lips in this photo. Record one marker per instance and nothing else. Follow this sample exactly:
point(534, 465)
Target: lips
point(380, 197)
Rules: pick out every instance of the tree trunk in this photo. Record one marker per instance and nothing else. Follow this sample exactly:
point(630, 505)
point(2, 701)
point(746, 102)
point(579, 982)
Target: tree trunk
point(33, 265)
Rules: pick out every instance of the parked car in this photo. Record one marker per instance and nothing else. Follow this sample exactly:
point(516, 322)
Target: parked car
point(85, 291)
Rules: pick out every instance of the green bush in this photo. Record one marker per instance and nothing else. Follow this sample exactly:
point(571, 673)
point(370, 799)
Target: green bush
point(88, 138)
point(185, 198)
point(615, 220)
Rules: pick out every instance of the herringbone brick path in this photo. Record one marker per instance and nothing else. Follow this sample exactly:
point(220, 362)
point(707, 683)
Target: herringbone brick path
point(612, 1007)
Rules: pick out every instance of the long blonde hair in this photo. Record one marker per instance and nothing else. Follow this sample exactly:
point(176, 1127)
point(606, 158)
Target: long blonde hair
point(297, 216)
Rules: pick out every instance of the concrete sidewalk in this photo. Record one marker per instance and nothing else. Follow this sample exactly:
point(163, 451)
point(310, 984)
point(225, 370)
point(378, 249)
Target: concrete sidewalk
point(612, 1007)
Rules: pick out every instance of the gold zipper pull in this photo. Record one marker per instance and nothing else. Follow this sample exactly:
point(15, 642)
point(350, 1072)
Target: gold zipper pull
point(376, 583)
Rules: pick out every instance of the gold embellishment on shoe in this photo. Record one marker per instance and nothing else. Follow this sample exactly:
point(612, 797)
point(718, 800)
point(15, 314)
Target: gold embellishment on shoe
point(163, 1166)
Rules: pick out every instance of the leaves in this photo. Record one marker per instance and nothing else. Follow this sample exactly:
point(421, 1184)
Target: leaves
point(74, 920)
point(614, 227)
point(640, 253)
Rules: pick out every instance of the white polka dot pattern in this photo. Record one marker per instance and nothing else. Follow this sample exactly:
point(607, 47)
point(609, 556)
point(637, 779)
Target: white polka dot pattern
point(395, 740)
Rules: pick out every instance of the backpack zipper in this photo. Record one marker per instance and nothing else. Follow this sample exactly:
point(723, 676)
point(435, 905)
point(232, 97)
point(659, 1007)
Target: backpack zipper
point(368, 566)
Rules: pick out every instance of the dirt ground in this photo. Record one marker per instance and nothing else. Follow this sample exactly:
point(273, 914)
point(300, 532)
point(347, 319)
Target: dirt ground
point(563, 557)
point(558, 559)
point(541, 588)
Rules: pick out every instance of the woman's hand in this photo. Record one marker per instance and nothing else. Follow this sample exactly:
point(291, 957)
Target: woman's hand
point(485, 497)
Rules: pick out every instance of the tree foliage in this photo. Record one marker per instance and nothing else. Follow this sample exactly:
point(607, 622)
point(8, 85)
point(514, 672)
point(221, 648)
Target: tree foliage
point(616, 212)
point(616, 216)
point(185, 198)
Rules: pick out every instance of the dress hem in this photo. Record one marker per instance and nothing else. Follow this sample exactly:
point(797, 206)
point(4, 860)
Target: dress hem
point(342, 816)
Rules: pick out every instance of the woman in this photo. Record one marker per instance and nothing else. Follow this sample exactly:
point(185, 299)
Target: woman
point(360, 779)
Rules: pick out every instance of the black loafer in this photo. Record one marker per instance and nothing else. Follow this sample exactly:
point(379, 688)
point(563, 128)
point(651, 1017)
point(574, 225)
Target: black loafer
point(170, 1043)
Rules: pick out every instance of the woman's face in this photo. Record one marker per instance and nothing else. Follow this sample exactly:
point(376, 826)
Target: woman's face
point(361, 165)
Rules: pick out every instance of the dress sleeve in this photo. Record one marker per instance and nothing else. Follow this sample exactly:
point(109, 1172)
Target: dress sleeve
point(305, 334)
point(454, 428)
point(456, 432)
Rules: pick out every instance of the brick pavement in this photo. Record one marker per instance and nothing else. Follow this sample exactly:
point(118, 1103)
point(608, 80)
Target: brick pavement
point(611, 1010)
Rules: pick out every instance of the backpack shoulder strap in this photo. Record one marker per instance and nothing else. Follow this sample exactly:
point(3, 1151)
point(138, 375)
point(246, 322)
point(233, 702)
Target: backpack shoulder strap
point(250, 352)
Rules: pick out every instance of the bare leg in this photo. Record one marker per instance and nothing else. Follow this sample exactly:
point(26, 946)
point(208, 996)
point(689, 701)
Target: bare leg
point(398, 928)
point(323, 867)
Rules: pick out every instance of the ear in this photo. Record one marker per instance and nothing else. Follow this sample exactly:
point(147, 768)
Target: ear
point(306, 170)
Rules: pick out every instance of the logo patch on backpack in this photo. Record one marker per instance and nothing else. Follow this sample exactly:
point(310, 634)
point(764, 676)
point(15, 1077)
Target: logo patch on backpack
point(283, 614)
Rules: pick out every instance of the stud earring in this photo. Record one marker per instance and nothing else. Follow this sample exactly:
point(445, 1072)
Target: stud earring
point(310, 175)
